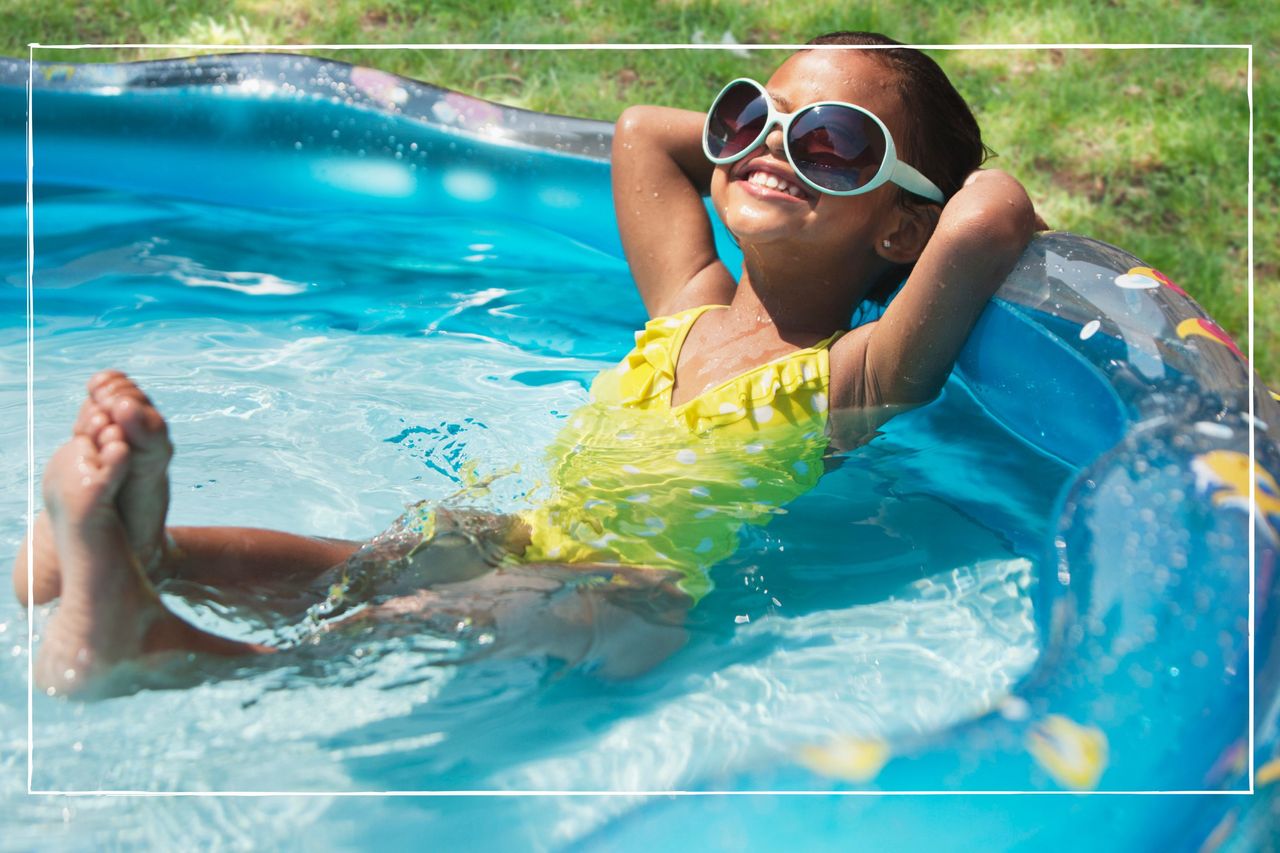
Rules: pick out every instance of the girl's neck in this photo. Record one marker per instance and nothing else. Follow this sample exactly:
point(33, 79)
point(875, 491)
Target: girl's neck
point(798, 300)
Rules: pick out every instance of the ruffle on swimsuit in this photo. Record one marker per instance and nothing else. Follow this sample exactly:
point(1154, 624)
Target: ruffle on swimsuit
point(790, 389)
point(639, 482)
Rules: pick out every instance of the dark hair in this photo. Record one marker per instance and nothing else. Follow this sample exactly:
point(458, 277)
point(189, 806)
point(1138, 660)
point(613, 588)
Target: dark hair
point(944, 142)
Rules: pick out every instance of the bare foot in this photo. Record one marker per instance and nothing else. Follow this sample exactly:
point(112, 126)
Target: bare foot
point(115, 409)
point(109, 612)
point(46, 577)
point(107, 606)
point(144, 497)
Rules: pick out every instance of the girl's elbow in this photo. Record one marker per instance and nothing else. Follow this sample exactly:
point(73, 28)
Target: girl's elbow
point(1021, 219)
point(1002, 226)
point(997, 211)
point(1011, 218)
point(634, 121)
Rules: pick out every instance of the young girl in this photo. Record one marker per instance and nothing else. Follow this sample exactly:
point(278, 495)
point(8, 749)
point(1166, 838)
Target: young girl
point(847, 170)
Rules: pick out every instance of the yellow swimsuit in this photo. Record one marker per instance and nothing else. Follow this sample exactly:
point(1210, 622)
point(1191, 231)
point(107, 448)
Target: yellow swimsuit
point(639, 482)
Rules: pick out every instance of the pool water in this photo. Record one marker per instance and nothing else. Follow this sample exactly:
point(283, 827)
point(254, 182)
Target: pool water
point(319, 373)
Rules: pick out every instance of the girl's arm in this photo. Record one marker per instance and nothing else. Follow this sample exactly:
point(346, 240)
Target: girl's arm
point(659, 177)
point(903, 359)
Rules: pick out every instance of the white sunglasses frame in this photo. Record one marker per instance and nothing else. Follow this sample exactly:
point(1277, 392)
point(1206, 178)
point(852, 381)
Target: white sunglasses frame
point(891, 168)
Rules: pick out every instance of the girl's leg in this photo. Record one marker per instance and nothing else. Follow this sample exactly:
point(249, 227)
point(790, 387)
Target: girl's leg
point(619, 621)
point(109, 611)
point(221, 558)
point(106, 494)
point(615, 621)
point(228, 558)
point(233, 557)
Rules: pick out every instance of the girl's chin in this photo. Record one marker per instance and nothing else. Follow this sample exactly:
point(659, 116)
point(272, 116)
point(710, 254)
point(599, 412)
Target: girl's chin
point(752, 230)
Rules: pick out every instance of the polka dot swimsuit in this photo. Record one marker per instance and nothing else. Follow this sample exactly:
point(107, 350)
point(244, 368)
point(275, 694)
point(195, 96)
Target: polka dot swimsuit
point(636, 481)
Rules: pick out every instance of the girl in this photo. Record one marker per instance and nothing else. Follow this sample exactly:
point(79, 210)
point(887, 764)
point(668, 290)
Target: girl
point(847, 170)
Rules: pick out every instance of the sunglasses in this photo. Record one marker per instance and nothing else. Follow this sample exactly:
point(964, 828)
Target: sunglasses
point(834, 147)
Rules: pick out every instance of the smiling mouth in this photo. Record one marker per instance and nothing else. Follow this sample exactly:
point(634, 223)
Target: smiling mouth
point(768, 180)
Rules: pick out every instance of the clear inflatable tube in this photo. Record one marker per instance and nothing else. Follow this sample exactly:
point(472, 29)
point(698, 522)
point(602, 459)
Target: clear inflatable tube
point(1087, 353)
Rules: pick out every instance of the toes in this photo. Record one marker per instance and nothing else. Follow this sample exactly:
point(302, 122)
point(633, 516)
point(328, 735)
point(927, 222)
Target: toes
point(84, 454)
point(115, 399)
point(86, 408)
point(118, 389)
point(111, 386)
point(143, 426)
point(78, 458)
point(106, 464)
point(102, 378)
point(91, 420)
point(109, 434)
point(81, 480)
point(113, 461)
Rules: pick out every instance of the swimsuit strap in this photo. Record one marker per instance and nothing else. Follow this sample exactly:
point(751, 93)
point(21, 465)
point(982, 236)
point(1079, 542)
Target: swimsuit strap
point(826, 343)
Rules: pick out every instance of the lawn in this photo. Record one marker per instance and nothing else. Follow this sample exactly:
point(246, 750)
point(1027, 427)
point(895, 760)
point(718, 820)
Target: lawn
point(1146, 148)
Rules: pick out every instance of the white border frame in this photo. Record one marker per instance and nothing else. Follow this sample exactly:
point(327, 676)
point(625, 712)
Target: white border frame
point(32, 47)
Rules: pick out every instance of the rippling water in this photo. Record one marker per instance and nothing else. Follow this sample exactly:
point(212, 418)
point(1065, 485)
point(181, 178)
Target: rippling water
point(320, 373)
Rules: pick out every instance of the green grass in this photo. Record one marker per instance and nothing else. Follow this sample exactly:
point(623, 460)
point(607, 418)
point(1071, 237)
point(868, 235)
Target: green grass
point(1146, 149)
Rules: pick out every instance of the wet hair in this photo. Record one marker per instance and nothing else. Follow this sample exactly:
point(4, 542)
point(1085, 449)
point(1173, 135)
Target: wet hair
point(941, 139)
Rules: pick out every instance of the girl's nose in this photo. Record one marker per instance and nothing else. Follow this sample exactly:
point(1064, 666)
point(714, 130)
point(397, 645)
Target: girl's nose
point(773, 141)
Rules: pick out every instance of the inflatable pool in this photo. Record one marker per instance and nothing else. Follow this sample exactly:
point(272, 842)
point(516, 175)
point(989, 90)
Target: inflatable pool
point(1095, 361)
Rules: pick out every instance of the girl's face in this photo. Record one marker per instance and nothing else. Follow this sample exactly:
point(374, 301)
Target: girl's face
point(757, 214)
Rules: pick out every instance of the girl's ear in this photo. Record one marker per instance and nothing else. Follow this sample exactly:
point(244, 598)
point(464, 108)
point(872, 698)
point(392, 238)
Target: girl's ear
point(907, 232)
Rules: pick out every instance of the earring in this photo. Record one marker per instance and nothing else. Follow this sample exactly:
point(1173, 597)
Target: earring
point(885, 243)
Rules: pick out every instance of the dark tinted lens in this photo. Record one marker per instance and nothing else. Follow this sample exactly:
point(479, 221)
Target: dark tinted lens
point(736, 119)
point(837, 148)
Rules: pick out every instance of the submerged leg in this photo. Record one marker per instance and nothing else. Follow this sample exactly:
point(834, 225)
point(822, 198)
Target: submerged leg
point(109, 611)
point(615, 621)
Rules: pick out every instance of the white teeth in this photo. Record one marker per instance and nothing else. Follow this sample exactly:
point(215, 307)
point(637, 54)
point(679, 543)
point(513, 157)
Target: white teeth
point(773, 182)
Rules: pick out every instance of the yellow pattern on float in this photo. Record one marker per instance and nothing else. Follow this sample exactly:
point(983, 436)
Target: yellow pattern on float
point(1074, 755)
